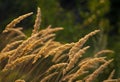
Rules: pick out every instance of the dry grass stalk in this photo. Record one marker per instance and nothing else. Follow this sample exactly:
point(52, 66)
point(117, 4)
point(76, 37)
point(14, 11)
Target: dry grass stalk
point(47, 37)
point(111, 75)
point(89, 64)
point(76, 75)
point(17, 20)
point(112, 80)
point(51, 47)
point(19, 28)
point(20, 49)
point(67, 77)
point(37, 22)
point(51, 30)
point(80, 43)
point(16, 31)
point(10, 35)
point(56, 66)
point(84, 61)
point(19, 80)
point(103, 52)
point(6, 54)
point(86, 64)
point(44, 33)
point(98, 71)
point(11, 45)
point(40, 41)
point(17, 38)
point(18, 61)
point(29, 48)
point(13, 34)
point(75, 59)
point(36, 50)
point(60, 58)
point(30, 39)
point(42, 50)
point(48, 77)
point(54, 51)
point(79, 81)
point(24, 46)
point(61, 49)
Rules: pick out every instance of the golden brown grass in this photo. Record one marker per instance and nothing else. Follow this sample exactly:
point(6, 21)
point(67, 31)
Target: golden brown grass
point(39, 58)
point(19, 80)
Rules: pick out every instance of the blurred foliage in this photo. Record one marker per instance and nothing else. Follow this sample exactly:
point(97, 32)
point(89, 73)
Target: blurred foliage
point(78, 17)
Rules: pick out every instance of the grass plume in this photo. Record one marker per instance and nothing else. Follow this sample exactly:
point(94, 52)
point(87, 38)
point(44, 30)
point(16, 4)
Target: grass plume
point(40, 58)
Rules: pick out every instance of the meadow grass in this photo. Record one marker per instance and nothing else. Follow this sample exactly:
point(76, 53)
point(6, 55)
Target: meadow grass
point(39, 58)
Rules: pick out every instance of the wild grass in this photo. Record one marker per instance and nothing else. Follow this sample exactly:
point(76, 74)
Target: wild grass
point(39, 58)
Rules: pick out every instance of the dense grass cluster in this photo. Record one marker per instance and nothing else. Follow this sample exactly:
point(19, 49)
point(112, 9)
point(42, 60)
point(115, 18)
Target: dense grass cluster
point(39, 58)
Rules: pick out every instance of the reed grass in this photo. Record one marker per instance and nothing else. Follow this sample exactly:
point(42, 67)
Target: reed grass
point(39, 58)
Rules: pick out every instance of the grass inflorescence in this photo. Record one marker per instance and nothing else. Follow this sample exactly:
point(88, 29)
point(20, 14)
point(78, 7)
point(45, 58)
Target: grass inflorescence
point(39, 58)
